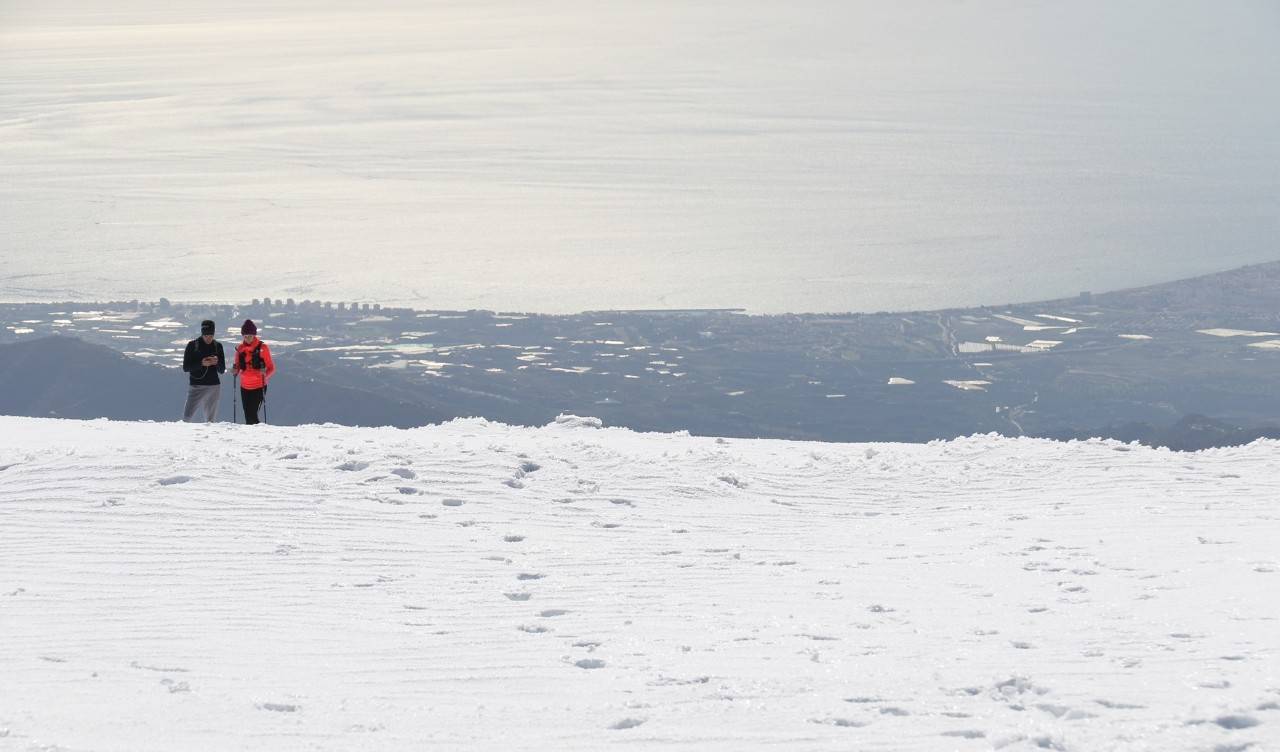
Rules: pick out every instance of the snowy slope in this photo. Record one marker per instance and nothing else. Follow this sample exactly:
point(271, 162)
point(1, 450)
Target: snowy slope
point(478, 586)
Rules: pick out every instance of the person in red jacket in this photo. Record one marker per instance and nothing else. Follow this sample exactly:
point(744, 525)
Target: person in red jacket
point(255, 368)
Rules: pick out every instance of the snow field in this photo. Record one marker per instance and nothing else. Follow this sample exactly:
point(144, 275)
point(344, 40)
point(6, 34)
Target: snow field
point(480, 586)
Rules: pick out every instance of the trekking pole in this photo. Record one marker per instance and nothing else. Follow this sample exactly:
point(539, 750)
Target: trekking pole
point(235, 388)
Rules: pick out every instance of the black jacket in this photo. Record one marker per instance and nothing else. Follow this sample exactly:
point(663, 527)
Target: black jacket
point(197, 351)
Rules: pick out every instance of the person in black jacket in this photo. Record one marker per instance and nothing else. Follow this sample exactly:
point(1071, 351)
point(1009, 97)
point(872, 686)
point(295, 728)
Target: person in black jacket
point(203, 361)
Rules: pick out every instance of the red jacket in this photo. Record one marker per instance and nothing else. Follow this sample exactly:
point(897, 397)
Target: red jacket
point(250, 377)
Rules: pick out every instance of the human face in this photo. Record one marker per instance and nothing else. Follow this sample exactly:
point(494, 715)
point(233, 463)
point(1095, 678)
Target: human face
point(249, 338)
point(207, 338)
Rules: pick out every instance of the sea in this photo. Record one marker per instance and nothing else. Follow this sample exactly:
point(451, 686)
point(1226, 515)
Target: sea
point(569, 155)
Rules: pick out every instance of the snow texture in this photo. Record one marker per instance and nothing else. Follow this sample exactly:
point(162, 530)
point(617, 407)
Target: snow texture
point(173, 586)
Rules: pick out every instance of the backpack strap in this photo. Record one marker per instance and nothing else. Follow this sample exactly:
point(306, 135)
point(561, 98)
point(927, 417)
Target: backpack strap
point(256, 362)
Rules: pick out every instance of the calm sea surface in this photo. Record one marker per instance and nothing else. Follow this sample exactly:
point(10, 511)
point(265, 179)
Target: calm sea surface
point(561, 156)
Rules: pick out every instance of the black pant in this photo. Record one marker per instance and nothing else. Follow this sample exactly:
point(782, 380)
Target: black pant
point(252, 399)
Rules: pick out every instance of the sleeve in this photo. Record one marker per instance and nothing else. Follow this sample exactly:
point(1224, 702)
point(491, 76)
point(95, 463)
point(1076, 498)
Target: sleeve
point(189, 361)
point(222, 359)
point(271, 364)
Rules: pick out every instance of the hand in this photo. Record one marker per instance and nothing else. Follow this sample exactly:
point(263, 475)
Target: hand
point(211, 360)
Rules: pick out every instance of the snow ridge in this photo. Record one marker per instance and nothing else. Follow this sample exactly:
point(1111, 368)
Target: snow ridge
point(480, 586)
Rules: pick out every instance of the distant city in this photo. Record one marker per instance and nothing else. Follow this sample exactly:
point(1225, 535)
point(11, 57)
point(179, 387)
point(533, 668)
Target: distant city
point(1097, 364)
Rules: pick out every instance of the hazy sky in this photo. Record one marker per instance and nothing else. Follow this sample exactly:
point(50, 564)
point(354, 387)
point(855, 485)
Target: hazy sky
point(560, 156)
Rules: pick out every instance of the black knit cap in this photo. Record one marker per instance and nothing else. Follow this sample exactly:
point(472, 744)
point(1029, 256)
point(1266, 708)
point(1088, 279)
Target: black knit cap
point(207, 327)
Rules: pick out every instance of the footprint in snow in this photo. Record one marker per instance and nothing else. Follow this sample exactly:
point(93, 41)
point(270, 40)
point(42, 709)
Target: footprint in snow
point(175, 480)
point(404, 472)
point(159, 669)
point(552, 612)
point(525, 576)
point(589, 663)
point(452, 502)
point(176, 686)
point(353, 466)
point(518, 596)
point(732, 480)
point(524, 469)
point(279, 707)
point(1064, 712)
point(838, 722)
point(966, 734)
point(1119, 705)
point(513, 538)
point(1235, 722)
point(626, 723)
point(665, 681)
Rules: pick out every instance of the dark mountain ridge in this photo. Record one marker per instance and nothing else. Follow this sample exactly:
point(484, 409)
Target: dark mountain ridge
point(1131, 364)
point(64, 377)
